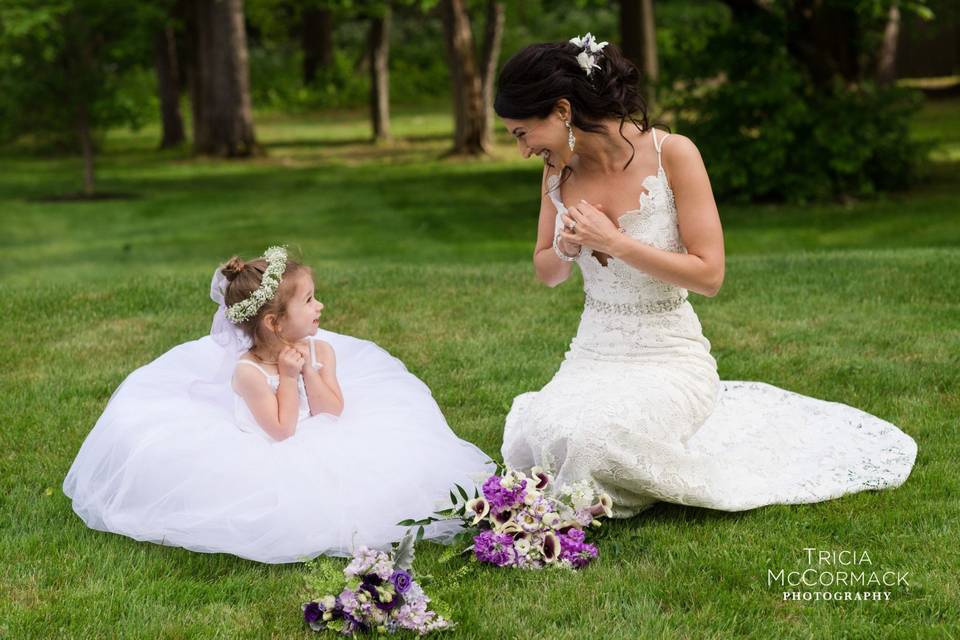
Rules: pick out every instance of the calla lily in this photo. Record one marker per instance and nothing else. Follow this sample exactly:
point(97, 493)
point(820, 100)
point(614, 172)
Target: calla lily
point(540, 477)
point(604, 506)
point(508, 527)
point(480, 507)
point(551, 547)
point(502, 517)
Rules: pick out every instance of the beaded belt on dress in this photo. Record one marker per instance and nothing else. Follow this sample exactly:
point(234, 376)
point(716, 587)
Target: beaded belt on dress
point(633, 308)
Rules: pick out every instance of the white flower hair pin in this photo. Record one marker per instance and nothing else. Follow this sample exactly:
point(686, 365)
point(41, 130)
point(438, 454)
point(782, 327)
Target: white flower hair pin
point(587, 59)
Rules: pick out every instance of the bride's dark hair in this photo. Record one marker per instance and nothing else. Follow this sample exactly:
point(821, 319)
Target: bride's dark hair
point(536, 77)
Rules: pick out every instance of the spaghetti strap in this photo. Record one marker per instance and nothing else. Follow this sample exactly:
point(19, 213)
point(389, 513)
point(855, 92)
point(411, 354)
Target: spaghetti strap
point(554, 193)
point(313, 354)
point(658, 145)
point(254, 364)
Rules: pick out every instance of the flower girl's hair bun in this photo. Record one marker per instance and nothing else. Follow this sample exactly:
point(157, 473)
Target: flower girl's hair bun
point(233, 268)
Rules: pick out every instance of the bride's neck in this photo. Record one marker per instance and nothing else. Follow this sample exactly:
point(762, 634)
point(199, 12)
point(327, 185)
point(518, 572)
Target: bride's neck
point(606, 152)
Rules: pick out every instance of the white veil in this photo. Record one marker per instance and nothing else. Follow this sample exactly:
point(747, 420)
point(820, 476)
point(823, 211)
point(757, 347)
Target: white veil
point(232, 343)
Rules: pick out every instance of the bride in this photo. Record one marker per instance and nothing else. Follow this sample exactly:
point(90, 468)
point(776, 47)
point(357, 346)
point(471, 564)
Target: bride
point(637, 408)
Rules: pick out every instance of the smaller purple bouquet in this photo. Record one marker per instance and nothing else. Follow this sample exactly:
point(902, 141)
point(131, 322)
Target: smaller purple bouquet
point(380, 595)
point(523, 522)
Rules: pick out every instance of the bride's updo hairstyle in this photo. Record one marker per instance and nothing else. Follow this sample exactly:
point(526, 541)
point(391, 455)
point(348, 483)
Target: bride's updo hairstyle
point(244, 278)
point(535, 78)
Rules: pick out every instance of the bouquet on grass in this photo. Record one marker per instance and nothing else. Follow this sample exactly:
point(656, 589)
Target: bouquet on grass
point(522, 522)
point(380, 595)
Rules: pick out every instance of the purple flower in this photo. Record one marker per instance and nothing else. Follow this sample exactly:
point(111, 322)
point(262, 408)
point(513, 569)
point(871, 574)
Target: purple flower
point(312, 612)
point(495, 548)
point(500, 497)
point(576, 535)
point(574, 550)
point(401, 580)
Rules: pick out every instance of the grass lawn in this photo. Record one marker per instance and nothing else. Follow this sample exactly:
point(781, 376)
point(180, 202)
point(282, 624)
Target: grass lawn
point(431, 259)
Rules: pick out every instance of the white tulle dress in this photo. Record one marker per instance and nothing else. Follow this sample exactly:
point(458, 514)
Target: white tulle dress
point(637, 408)
point(177, 459)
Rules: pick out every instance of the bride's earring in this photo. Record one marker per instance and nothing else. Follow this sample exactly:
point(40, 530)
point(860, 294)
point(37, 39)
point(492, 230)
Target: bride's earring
point(571, 139)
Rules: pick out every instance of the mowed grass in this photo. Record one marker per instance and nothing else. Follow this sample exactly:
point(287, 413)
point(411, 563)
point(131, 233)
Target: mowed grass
point(430, 258)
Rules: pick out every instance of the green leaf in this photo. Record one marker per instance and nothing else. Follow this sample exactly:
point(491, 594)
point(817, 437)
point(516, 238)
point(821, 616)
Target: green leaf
point(403, 554)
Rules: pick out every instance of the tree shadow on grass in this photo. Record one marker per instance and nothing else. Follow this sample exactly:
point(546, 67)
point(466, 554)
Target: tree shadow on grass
point(359, 141)
point(86, 197)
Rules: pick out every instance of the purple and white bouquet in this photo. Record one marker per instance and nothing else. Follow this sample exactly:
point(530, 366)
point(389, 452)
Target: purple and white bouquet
point(520, 521)
point(380, 595)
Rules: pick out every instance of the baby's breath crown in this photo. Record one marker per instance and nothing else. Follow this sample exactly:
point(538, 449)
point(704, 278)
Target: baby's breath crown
point(242, 311)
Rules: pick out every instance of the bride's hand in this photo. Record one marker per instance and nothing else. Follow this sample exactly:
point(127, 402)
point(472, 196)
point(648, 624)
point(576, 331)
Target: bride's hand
point(591, 227)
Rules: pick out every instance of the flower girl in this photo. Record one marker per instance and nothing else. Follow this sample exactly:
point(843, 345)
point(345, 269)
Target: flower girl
point(270, 439)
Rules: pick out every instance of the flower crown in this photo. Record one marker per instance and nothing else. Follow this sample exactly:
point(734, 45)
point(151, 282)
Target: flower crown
point(276, 264)
point(587, 58)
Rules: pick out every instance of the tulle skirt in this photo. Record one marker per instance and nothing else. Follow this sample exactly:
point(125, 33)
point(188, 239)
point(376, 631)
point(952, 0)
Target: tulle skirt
point(166, 462)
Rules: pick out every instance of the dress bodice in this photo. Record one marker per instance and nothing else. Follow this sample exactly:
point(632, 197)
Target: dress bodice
point(619, 285)
point(628, 314)
point(244, 417)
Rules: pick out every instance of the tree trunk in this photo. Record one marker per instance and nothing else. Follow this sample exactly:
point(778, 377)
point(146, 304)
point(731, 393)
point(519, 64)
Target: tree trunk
point(168, 86)
point(223, 115)
point(887, 61)
point(492, 40)
point(317, 42)
point(638, 41)
point(470, 126)
point(631, 31)
point(825, 39)
point(379, 45)
point(86, 147)
point(651, 63)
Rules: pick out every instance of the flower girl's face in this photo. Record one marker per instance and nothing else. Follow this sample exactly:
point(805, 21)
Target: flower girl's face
point(302, 316)
point(546, 137)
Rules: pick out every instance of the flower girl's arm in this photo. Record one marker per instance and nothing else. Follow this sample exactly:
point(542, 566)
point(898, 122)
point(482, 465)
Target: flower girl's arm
point(276, 413)
point(323, 390)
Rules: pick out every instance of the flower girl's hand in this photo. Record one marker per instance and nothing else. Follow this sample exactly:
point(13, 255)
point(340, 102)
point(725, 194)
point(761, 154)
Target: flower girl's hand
point(290, 362)
point(304, 350)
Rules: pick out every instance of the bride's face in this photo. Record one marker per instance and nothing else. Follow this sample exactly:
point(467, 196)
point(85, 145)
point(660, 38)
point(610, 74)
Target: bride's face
point(544, 137)
point(302, 316)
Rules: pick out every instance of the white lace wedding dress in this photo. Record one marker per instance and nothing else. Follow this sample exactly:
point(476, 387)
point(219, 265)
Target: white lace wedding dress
point(637, 408)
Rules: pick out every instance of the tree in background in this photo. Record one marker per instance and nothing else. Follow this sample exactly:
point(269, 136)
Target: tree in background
point(169, 86)
point(316, 21)
point(471, 77)
point(63, 66)
point(378, 44)
point(782, 102)
point(220, 82)
point(638, 41)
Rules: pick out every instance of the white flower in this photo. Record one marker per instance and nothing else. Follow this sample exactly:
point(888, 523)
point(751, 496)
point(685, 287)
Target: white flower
point(587, 62)
point(590, 46)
